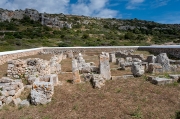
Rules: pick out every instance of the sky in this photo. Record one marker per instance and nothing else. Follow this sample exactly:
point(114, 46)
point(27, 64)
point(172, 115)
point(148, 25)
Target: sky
point(162, 11)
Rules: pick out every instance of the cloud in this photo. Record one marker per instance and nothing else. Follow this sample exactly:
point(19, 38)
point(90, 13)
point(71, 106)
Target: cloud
point(133, 4)
point(159, 3)
point(82, 7)
point(97, 8)
point(49, 6)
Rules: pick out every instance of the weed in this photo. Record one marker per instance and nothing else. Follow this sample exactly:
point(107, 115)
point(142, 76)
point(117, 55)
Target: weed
point(75, 107)
point(177, 115)
point(69, 81)
point(137, 113)
point(118, 90)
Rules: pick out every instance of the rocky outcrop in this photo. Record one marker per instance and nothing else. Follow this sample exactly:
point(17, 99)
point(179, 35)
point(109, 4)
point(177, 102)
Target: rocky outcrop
point(33, 14)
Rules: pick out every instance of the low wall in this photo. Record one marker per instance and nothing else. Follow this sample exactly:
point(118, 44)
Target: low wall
point(173, 50)
point(9, 55)
point(88, 49)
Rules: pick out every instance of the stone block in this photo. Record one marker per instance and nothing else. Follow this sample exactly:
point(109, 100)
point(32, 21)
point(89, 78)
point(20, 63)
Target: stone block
point(137, 69)
point(98, 81)
point(104, 66)
point(16, 101)
point(42, 92)
point(112, 57)
point(161, 81)
point(54, 79)
point(164, 61)
point(75, 71)
point(155, 68)
point(24, 103)
point(151, 59)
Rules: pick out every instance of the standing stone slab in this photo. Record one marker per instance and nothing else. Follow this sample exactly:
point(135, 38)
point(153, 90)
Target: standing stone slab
point(164, 61)
point(75, 71)
point(104, 66)
point(112, 57)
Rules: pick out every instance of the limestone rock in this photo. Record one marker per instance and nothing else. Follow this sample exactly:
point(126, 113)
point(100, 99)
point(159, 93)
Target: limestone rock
point(137, 69)
point(24, 103)
point(75, 71)
point(161, 81)
point(42, 92)
point(151, 59)
point(104, 66)
point(16, 101)
point(97, 81)
point(32, 79)
point(164, 61)
point(5, 80)
point(155, 68)
point(112, 57)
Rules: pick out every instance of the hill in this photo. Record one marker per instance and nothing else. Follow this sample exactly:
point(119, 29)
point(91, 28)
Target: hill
point(28, 28)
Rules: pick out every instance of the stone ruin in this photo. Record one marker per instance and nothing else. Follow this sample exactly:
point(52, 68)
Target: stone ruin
point(10, 90)
point(33, 67)
point(41, 92)
point(41, 76)
point(96, 75)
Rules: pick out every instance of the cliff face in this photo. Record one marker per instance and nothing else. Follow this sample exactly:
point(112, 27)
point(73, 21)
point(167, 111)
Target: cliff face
point(7, 15)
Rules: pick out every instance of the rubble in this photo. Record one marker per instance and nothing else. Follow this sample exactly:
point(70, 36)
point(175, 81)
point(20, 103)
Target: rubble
point(98, 81)
point(10, 90)
point(42, 92)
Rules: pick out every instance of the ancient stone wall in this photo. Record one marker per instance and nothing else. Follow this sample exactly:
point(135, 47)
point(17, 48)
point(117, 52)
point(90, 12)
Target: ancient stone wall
point(10, 55)
point(6, 56)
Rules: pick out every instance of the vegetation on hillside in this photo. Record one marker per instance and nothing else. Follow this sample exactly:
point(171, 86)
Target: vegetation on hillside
point(26, 33)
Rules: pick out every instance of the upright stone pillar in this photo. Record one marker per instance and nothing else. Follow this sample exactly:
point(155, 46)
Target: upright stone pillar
point(75, 71)
point(164, 61)
point(112, 57)
point(104, 66)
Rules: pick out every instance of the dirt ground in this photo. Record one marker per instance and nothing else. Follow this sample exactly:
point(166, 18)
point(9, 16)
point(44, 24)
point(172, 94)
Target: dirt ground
point(118, 99)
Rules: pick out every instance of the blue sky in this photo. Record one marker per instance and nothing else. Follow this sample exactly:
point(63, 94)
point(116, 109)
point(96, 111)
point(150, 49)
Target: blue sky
point(162, 11)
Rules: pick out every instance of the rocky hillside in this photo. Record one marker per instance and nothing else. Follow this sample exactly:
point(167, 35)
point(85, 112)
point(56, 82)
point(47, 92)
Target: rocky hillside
point(28, 28)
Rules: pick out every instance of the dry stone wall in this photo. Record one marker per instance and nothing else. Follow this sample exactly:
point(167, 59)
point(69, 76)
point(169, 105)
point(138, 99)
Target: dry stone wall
point(10, 90)
point(10, 55)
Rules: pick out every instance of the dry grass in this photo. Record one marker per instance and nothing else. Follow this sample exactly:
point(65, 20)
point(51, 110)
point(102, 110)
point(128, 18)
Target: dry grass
point(118, 99)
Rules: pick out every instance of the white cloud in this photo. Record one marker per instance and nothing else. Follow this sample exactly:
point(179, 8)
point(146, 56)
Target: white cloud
point(49, 6)
point(96, 8)
point(133, 4)
point(82, 7)
point(159, 3)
